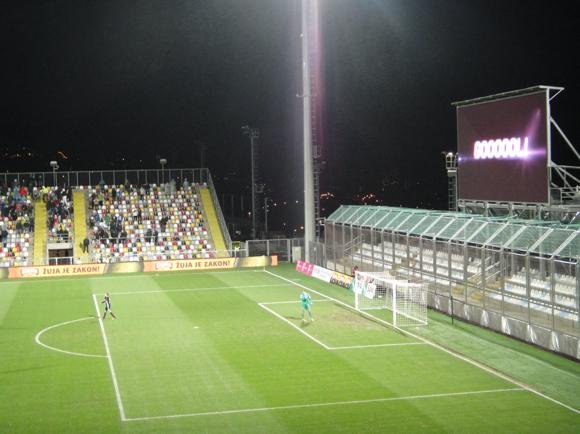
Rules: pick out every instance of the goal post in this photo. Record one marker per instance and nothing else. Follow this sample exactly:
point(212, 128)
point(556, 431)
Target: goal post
point(405, 299)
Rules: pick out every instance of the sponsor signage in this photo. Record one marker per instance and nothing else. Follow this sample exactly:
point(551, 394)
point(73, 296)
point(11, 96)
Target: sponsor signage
point(324, 274)
point(304, 267)
point(135, 267)
point(56, 271)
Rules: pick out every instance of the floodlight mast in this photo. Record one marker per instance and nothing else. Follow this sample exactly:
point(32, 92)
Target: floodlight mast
point(163, 162)
point(253, 134)
point(54, 166)
point(309, 222)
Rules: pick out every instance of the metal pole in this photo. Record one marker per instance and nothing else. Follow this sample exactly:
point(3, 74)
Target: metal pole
point(266, 215)
point(309, 224)
point(253, 233)
point(452, 315)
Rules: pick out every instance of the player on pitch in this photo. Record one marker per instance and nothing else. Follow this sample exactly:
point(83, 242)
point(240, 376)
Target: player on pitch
point(107, 301)
point(306, 303)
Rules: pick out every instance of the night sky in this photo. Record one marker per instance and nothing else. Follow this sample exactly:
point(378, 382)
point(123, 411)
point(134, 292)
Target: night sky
point(118, 84)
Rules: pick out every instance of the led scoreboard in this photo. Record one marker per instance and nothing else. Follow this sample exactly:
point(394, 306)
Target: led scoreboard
point(502, 149)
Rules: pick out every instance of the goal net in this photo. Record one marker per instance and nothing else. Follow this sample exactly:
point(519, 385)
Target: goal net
point(406, 300)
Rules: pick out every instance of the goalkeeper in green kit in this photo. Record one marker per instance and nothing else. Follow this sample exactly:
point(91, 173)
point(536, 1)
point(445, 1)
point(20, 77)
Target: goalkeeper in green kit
point(306, 303)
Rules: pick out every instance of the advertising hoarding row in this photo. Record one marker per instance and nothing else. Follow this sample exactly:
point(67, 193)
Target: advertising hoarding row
point(324, 274)
point(135, 267)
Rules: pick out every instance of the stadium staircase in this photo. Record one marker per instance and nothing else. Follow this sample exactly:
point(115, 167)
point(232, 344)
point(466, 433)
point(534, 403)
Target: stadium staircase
point(213, 223)
point(80, 223)
point(40, 232)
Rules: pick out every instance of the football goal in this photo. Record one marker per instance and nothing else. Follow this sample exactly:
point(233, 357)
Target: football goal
point(406, 300)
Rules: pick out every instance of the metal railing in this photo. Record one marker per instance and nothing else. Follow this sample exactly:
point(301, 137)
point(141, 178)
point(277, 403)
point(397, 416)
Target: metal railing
point(108, 177)
point(281, 247)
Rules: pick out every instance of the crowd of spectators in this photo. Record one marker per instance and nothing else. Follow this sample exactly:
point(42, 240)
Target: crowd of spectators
point(16, 223)
point(127, 222)
point(147, 222)
point(59, 211)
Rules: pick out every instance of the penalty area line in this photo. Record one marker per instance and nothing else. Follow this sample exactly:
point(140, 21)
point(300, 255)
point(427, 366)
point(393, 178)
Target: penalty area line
point(293, 302)
point(309, 336)
point(319, 342)
point(323, 404)
point(396, 344)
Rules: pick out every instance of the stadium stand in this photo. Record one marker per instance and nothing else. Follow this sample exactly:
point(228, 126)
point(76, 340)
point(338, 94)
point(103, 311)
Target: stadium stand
point(149, 222)
point(500, 272)
point(453, 274)
point(16, 224)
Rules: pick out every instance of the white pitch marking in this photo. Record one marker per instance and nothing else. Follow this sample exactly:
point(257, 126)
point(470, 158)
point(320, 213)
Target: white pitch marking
point(206, 288)
point(294, 325)
point(323, 404)
point(72, 353)
point(326, 346)
point(294, 302)
point(400, 344)
point(110, 359)
point(439, 347)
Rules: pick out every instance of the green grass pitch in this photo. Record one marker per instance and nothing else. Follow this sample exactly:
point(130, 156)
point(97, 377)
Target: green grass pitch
point(226, 351)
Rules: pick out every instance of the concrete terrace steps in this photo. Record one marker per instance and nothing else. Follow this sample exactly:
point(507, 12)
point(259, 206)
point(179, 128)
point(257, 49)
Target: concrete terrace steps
point(80, 223)
point(212, 222)
point(40, 232)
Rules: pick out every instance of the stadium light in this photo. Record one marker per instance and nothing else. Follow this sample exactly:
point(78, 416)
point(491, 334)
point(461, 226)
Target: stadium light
point(163, 162)
point(54, 166)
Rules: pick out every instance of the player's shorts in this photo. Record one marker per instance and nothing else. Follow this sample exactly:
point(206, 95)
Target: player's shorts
point(305, 306)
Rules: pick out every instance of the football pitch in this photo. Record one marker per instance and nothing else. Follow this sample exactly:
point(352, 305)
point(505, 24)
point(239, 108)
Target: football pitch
point(227, 351)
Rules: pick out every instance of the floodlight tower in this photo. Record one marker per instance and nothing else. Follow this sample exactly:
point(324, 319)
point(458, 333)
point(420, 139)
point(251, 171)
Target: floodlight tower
point(253, 134)
point(451, 166)
point(309, 219)
point(163, 162)
point(54, 166)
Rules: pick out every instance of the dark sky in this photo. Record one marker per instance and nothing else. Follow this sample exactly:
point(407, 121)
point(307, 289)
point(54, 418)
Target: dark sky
point(103, 80)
